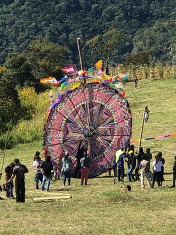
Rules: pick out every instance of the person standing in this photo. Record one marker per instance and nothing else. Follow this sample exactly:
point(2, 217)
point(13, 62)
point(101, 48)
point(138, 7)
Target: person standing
point(19, 174)
point(120, 166)
point(160, 155)
point(9, 185)
point(174, 172)
point(81, 149)
point(114, 168)
point(56, 170)
point(66, 168)
point(38, 171)
point(47, 167)
point(157, 175)
point(131, 164)
point(144, 167)
point(148, 155)
point(116, 159)
point(85, 168)
point(139, 157)
point(146, 114)
point(37, 154)
point(135, 79)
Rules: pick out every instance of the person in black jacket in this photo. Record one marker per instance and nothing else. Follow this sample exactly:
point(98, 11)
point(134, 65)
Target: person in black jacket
point(79, 155)
point(131, 164)
point(19, 174)
point(9, 185)
point(160, 155)
point(47, 167)
point(139, 158)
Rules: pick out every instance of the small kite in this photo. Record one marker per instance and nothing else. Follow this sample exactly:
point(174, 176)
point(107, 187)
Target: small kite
point(50, 80)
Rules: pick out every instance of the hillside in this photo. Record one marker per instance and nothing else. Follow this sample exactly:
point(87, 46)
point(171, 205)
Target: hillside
point(146, 26)
point(101, 207)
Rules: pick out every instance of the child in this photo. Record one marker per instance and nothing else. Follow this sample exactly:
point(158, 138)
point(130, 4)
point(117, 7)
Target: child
point(9, 185)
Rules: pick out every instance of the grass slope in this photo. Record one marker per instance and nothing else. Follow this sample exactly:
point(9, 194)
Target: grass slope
point(103, 207)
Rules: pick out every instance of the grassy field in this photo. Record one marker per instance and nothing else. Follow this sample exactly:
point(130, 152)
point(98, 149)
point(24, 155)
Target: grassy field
point(102, 207)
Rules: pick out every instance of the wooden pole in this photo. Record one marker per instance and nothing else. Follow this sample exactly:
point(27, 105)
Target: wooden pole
point(141, 133)
point(80, 57)
point(107, 66)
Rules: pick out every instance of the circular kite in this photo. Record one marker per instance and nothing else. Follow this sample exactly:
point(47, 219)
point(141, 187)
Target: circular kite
point(93, 115)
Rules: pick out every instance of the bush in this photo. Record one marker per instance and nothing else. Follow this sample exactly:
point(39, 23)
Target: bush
point(28, 99)
point(8, 140)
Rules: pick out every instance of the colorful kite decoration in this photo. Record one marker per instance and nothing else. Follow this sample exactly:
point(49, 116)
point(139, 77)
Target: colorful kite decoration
point(90, 111)
point(50, 81)
point(154, 138)
point(94, 115)
point(77, 77)
point(71, 69)
point(99, 64)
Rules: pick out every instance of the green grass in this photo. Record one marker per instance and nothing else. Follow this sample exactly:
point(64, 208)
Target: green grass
point(103, 207)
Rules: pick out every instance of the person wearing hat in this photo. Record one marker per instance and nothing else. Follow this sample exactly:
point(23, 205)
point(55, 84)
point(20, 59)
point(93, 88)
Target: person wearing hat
point(120, 165)
point(19, 174)
point(66, 168)
point(131, 162)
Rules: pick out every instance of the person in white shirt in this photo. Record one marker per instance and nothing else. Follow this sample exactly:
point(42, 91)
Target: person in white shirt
point(157, 171)
point(38, 171)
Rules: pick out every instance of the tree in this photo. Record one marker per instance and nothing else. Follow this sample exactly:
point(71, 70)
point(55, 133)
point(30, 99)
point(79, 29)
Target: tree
point(139, 58)
point(159, 38)
point(9, 104)
point(18, 71)
point(40, 59)
point(45, 58)
point(103, 46)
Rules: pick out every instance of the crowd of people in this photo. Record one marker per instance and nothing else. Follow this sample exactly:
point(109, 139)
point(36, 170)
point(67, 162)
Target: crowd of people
point(139, 166)
point(46, 170)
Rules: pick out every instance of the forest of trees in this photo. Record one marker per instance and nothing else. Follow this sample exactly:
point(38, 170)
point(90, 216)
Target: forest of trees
point(145, 25)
